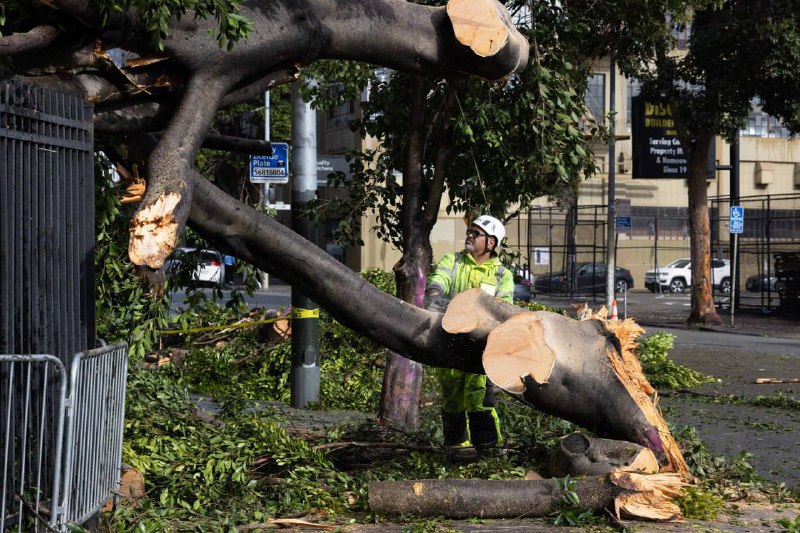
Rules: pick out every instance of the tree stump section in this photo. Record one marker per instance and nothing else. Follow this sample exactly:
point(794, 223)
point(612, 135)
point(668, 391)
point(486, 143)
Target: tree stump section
point(579, 455)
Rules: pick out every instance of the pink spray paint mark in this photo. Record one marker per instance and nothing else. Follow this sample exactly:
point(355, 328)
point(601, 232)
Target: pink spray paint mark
point(419, 298)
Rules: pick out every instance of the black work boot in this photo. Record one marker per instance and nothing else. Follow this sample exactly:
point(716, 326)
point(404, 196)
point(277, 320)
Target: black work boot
point(454, 428)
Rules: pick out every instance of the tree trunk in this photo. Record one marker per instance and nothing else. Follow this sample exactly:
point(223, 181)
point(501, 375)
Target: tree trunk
point(402, 380)
point(704, 312)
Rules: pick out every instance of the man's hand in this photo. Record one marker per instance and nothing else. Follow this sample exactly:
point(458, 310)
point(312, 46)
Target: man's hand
point(434, 301)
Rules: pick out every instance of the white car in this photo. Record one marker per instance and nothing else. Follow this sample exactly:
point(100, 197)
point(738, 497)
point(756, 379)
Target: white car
point(208, 265)
point(676, 277)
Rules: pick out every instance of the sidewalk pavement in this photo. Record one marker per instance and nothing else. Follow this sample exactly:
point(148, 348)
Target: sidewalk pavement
point(745, 322)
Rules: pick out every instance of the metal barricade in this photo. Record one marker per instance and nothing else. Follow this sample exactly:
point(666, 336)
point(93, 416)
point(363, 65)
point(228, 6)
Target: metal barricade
point(32, 402)
point(41, 487)
point(95, 423)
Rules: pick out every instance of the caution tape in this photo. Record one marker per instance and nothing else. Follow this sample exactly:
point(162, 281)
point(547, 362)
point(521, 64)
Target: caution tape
point(304, 313)
point(295, 314)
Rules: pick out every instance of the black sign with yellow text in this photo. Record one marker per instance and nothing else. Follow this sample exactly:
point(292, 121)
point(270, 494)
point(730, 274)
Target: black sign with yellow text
point(657, 152)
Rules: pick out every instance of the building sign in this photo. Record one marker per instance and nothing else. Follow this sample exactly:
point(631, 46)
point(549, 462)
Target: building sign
point(657, 152)
point(330, 164)
point(271, 168)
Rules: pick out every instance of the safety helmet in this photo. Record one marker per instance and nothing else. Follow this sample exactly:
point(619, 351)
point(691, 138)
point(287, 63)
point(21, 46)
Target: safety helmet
point(491, 226)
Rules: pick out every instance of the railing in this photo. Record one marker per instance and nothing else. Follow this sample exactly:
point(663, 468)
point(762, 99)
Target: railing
point(40, 419)
point(32, 404)
point(95, 422)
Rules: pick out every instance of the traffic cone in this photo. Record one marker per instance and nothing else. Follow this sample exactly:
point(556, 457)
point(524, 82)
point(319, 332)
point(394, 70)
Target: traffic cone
point(614, 315)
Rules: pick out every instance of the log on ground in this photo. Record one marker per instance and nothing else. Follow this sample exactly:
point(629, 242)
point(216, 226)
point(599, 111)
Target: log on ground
point(624, 493)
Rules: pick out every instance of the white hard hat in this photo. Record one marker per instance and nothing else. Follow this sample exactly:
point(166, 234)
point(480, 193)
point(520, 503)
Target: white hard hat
point(491, 226)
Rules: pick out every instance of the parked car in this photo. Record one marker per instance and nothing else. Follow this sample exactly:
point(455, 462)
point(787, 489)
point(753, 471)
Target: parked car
point(201, 266)
point(763, 283)
point(676, 277)
point(589, 277)
point(522, 283)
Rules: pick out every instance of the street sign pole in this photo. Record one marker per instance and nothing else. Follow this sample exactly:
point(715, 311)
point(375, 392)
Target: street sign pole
point(736, 225)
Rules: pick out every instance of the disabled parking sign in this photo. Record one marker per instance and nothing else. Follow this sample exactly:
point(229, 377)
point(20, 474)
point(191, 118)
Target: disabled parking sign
point(737, 219)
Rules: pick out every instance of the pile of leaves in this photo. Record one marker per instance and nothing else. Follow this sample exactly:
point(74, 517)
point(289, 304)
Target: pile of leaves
point(662, 372)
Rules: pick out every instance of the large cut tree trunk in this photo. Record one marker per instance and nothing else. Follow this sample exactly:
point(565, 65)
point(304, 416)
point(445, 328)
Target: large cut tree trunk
point(583, 371)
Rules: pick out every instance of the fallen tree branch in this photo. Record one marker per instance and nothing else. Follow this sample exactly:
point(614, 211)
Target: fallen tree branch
point(382, 445)
point(35, 39)
point(562, 367)
point(638, 495)
point(283, 523)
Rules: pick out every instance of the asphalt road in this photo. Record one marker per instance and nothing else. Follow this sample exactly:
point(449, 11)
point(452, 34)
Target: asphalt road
point(742, 343)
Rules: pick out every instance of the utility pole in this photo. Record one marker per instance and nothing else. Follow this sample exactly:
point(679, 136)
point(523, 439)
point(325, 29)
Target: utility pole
point(611, 229)
point(305, 376)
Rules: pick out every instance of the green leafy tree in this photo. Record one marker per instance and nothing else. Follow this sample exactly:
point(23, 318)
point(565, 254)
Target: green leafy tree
point(489, 146)
point(738, 52)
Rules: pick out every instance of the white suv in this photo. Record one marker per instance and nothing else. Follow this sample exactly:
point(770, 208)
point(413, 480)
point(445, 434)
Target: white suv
point(677, 276)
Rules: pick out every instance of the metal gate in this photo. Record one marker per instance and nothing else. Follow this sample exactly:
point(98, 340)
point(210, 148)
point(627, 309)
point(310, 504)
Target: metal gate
point(31, 435)
point(46, 222)
point(769, 249)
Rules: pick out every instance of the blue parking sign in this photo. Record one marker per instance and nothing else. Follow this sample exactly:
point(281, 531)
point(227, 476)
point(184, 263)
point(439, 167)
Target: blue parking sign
point(737, 219)
point(271, 168)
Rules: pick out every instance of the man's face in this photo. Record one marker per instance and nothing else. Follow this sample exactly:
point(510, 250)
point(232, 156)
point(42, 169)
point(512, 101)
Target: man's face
point(476, 240)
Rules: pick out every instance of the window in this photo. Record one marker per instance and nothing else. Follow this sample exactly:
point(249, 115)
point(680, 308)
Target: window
point(339, 116)
point(760, 124)
point(595, 96)
point(633, 89)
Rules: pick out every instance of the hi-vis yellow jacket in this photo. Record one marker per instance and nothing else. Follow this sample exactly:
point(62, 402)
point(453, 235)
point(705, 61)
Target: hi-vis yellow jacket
point(458, 272)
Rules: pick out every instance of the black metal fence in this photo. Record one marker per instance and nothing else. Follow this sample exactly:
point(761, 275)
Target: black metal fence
point(554, 240)
point(769, 248)
point(46, 262)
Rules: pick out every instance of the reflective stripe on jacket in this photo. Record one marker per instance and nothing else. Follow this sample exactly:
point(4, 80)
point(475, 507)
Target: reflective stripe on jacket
point(458, 272)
